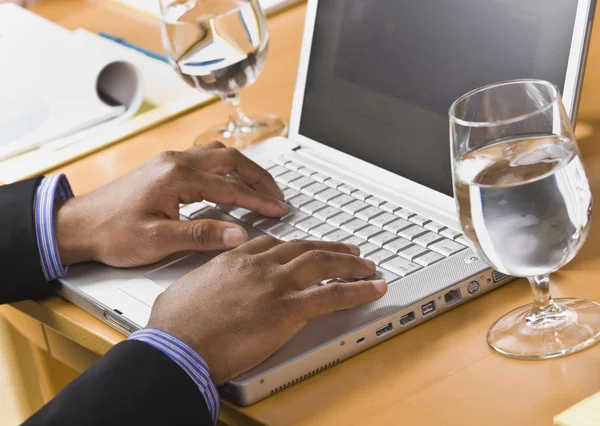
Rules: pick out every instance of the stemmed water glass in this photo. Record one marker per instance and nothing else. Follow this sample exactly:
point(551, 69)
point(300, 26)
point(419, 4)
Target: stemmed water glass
point(220, 46)
point(525, 206)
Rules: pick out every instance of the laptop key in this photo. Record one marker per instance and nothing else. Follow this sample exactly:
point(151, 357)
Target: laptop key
point(281, 161)
point(293, 166)
point(295, 235)
point(308, 224)
point(340, 219)
point(401, 266)
point(383, 238)
point(341, 201)
point(397, 245)
point(405, 213)
point(361, 195)
point(420, 220)
point(389, 207)
point(305, 171)
point(313, 206)
point(314, 189)
point(326, 213)
point(322, 230)
point(383, 274)
point(346, 189)
point(353, 240)
point(380, 256)
point(319, 177)
point(334, 183)
point(451, 233)
point(375, 201)
point(294, 216)
point(300, 183)
point(383, 219)
point(397, 226)
point(369, 213)
point(288, 177)
point(275, 228)
point(189, 210)
point(367, 248)
point(355, 206)
point(367, 232)
point(299, 200)
point(435, 227)
point(353, 225)
point(462, 240)
point(427, 239)
point(413, 232)
point(327, 195)
point(239, 212)
point(447, 247)
point(429, 258)
point(277, 170)
point(337, 235)
point(412, 252)
point(290, 193)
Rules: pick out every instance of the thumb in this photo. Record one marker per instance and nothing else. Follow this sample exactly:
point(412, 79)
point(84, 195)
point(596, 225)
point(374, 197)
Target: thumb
point(203, 235)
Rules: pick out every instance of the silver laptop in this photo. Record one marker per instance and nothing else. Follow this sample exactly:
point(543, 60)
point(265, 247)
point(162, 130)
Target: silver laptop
point(367, 161)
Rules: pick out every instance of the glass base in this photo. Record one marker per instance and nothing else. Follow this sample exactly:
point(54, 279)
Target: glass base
point(566, 326)
point(245, 133)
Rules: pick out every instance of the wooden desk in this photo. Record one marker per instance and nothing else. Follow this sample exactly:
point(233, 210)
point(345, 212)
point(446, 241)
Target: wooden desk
point(440, 373)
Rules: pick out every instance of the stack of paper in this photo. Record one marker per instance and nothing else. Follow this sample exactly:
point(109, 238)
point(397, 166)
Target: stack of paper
point(66, 94)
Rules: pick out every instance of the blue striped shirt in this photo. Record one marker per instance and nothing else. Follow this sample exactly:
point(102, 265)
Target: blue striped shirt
point(58, 188)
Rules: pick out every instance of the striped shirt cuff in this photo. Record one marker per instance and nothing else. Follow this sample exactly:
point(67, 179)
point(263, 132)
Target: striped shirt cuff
point(50, 189)
point(188, 359)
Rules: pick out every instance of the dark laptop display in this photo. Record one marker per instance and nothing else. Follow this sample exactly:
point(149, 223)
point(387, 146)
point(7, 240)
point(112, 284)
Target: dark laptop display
point(395, 115)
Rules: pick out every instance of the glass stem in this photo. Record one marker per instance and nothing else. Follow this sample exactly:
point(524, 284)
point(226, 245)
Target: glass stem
point(237, 119)
point(544, 309)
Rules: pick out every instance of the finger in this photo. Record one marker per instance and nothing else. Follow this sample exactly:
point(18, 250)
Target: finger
point(223, 161)
point(258, 245)
point(286, 252)
point(198, 185)
point(339, 296)
point(315, 266)
point(202, 235)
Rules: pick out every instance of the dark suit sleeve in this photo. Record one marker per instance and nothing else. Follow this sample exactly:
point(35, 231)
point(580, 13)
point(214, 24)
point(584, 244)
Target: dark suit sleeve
point(21, 275)
point(133, 384)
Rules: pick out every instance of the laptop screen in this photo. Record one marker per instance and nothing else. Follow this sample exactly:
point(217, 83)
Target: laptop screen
point(383, 73)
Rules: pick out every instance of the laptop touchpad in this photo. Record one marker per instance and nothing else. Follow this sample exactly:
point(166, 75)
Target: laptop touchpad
point(168, 274)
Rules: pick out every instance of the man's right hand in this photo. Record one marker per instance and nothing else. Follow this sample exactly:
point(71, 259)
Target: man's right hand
point(241, 307)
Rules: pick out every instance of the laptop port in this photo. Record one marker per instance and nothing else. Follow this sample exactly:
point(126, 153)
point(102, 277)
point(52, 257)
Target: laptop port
point(361, 341)
point(407, 318)
point(452, 297)
point(384, 330)
point(428, 308)
point(498, 276)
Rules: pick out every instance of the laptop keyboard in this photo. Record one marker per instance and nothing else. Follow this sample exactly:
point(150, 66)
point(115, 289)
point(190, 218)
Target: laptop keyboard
point(398, 240)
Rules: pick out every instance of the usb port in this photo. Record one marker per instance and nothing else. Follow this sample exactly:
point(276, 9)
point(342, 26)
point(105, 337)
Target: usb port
point(384, 330)
point(452, 297)
point(428, 308)
point(407, 318)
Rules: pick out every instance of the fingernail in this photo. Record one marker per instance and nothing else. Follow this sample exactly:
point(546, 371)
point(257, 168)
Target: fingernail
point(380, 286)
point(233, 237)
point(283, 205)
point(353, 249)
point(370, 264)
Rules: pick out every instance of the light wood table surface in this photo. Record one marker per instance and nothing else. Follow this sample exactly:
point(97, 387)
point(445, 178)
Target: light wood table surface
point(440, 373)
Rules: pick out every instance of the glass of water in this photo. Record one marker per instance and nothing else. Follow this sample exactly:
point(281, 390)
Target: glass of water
point(220, 46)
point(525, 206)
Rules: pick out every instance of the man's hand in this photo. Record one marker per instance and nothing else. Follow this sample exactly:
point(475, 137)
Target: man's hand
point(134, 220)
point(238, 309)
